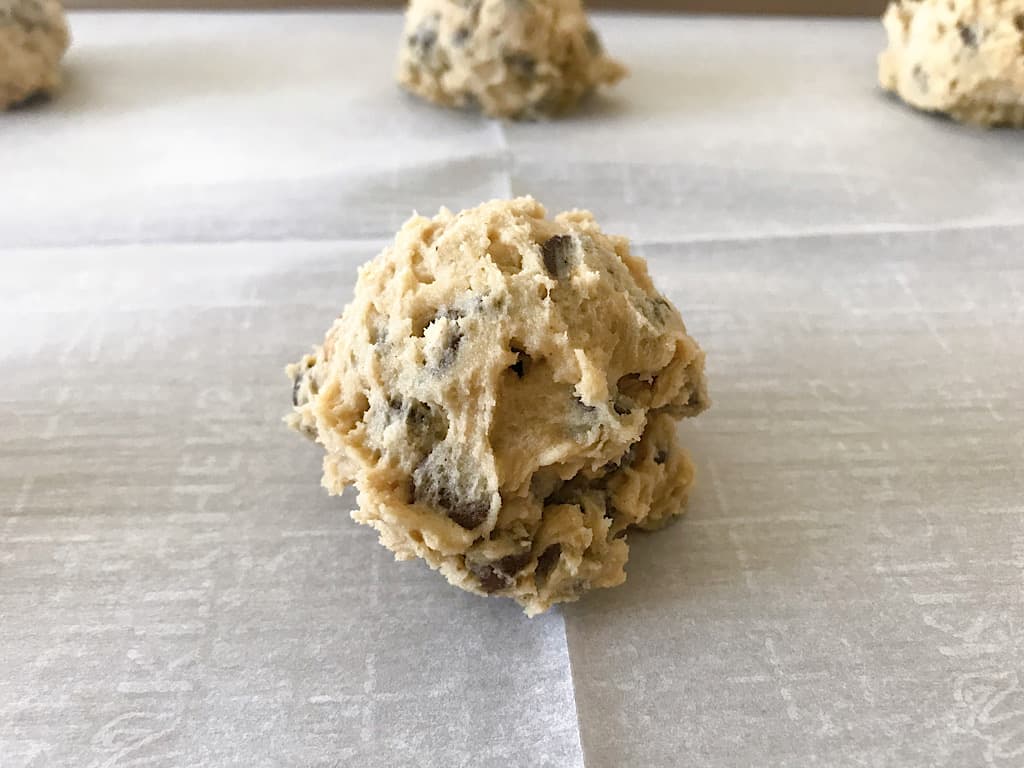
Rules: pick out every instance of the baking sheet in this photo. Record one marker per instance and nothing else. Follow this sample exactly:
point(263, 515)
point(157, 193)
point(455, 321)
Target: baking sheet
point(175, 588)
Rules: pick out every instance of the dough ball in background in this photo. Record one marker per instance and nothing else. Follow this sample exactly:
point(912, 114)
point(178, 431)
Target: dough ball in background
point(964, 58)
point(519, 59)
point(33, 39)
point(504, 391)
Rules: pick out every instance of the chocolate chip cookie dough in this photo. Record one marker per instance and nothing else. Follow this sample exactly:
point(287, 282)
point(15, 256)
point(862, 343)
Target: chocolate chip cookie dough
point(503, 391)
point(964, 58)
point(33, 38)
point(511, 58)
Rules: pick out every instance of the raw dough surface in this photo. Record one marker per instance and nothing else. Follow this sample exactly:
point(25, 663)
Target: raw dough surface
point(503, 391)
point(33, 38)
point(961, 57)
point(512, 58)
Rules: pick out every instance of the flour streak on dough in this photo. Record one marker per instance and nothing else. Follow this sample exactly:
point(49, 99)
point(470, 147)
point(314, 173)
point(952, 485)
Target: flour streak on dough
point(504, 391)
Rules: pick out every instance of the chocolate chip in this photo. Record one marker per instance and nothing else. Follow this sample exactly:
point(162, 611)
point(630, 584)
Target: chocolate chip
point(300, 377)
point(629, 456)
point(625, 460)
point(519, 366)
point(423, 40)
point(415, 430)
point(548, 560)
point(583, 406)
point(36, 99)
point(428, 487)
point(469, 515)
point(920, 77)
point(661, 456)
point(968, 35)
point(510, 565)
point(593, 42)
point(418, 415)
point(450, 340)
point(558, 253)
point(1018, 21)
point(695, 402)
point(490, 580)
point(423, 46)
point(634, 386)
point(469, 101)
point(394, 411)
point(501, 573)
point(522, 64)
point(451, 350)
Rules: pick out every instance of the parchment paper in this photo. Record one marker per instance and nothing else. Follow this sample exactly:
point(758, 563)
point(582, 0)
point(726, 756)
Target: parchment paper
point(175, 588)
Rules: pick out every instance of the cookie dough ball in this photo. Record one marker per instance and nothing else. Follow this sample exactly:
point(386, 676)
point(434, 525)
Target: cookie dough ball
point(961, 57)
point(512, 58)
point(33, 38)
point(504, 391)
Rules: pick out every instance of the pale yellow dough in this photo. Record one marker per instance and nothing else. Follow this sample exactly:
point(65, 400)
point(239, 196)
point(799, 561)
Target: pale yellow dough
point(964, 58)
point(504, 391)
point(33, 39)
point(511, 58)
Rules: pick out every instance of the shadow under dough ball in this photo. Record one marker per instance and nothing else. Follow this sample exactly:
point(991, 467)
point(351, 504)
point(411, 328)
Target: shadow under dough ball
point(504, 391)
point(509, 58)
point(961, 58)
point(33, 39)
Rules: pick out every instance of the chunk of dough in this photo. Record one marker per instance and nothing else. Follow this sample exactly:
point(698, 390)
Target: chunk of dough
point(964, 58)
point(511, 58)
point(504, 391)
point(33, 39)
